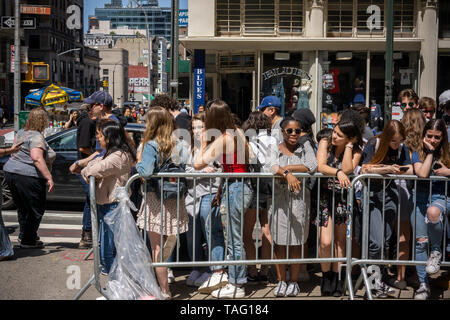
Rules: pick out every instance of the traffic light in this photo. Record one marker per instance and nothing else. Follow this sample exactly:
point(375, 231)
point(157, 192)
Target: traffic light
point(105, 83)
point(37, 72)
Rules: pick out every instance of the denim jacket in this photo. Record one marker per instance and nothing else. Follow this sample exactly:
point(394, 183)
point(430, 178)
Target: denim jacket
point(150, 157)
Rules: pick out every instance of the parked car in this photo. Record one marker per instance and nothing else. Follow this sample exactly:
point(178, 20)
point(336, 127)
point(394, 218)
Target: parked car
point(67, 186)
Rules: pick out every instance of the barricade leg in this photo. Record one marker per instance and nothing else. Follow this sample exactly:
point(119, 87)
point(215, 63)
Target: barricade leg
point(367, 283)
point(88, 254)
point(85, 287)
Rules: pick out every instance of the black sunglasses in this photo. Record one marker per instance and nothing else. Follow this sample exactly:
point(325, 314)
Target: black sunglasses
point(290, 131)
point(404, 104)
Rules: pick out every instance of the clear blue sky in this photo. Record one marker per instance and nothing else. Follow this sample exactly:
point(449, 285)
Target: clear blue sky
point(90, 5)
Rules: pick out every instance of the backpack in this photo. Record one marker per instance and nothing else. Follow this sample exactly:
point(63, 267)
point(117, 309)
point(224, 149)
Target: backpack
point(169, 185)
point(122, 120)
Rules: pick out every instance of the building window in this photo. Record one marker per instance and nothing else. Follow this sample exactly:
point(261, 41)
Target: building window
point(105, 72)
point(228, 17)
point(290, 13)
point(237, 61)
point(404, 17)
point(444, 19)
point(340, 18)
point(259, 17)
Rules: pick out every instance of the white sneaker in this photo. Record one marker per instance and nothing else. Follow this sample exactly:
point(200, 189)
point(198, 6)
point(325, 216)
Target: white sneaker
point(229, 291)
point(203, 277)
point(193, 277)
point(423, 292)
point(216, 281)
point(292, 290)
point(100, 298)
point(434, 262)
point(171, 278)
point(280, 290)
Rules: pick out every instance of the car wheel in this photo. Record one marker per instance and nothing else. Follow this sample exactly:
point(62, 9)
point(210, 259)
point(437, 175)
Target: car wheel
point(7, 200)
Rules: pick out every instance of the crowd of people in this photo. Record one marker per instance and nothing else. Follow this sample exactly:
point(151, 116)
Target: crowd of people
point(222, 213)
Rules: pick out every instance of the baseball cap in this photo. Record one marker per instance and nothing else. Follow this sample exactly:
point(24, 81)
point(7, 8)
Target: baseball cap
point(270, 101)
point(305, 117)
point(444, 97)
point(101, 97)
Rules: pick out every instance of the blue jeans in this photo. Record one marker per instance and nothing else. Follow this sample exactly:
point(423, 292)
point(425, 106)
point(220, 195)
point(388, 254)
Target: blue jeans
point(106, 237)
point(239, 199)
point(202, 221)
point(87, 208)
point(426, 229)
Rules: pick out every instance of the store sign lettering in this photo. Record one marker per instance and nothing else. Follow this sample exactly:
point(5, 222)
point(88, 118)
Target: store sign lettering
point(296, 72)
point(374, 21)
point(99, 41)
point(199, 87)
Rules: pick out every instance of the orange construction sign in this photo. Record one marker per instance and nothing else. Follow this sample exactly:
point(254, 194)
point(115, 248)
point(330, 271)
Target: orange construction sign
point(35, 10)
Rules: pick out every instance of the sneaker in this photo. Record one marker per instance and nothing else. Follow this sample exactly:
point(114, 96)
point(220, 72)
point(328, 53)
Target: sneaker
point(292, 289)
point(192, 278)
point(216, 281)
point(382, 290)
point(434, 262)
point(36, 245)
point(280, 290)
point(166, 295)
point(170, 277)
point(203, 277)
point(230, 291)
point(423, 292)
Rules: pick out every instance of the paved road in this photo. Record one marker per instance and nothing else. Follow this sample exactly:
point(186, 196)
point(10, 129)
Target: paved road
point(44, 273)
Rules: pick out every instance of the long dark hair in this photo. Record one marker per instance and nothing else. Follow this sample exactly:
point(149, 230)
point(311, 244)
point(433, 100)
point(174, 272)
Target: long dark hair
point(116, 139)
point(257, 121)
point(443, 149)
point(351, 129)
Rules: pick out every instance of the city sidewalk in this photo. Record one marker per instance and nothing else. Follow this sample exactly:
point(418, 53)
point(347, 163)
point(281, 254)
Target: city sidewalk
point(47, 273)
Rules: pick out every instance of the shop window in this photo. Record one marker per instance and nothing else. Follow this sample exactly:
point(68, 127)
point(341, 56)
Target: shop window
point(404, 17)
point(367, 22)
point(444, 19)
point(290, 13)
point(236, 61)
point(340, 18)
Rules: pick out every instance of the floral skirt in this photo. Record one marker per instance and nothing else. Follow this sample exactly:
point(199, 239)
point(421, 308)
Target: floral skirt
point(170, 223)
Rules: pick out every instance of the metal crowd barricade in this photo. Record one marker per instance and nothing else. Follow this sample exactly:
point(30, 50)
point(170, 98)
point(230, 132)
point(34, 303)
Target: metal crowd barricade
point(95, 278)
point(364, 260)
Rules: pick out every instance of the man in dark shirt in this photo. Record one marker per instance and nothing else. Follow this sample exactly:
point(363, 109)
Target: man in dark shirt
point(85, 146)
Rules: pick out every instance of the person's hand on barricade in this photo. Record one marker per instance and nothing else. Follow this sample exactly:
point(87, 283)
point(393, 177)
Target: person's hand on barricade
point(208, 169)
point(443, 170)
point(343, 179)
point(294, 184)
point(395, 169)
point(75, 168)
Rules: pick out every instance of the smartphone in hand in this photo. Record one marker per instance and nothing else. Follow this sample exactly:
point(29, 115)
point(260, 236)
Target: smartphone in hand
point(437, 166)
point(404, 169)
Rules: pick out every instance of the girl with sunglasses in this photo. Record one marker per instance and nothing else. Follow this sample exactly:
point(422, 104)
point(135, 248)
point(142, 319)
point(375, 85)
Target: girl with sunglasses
point(431, 159)
point(289, 214)
point(338, 157)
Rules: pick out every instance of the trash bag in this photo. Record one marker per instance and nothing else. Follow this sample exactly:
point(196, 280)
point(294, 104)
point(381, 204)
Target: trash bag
point(131, 276)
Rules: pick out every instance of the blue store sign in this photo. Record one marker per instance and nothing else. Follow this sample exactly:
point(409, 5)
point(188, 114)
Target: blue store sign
point(183, 18)
point(199, 88)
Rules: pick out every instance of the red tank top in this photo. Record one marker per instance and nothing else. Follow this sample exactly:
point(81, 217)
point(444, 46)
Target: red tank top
point(234, 166)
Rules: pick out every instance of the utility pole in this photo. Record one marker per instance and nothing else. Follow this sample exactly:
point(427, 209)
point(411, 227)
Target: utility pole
point(389, 60)
point(17, 95)
point(174, 51)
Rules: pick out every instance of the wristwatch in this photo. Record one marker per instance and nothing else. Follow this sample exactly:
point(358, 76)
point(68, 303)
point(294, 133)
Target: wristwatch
point(285, 173)
point(428, 151)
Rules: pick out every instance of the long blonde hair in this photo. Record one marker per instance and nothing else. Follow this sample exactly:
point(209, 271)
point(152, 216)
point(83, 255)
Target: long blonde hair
point(37, 120)
point(160, 125)
point(414, 122)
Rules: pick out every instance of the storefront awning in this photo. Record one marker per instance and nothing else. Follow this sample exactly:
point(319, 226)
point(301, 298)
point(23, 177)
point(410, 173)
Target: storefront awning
point(240, 44)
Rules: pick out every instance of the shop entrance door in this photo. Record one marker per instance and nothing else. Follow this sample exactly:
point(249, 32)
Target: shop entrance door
point(237, 92)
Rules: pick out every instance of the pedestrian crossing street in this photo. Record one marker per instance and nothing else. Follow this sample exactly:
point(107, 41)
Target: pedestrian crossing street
point(55, 228)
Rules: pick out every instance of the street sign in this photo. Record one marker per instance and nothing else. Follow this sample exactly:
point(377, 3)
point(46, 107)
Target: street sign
point(35, 10)
point(10, 22)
